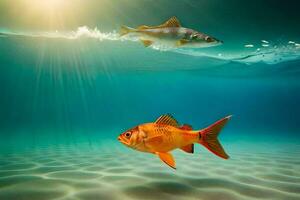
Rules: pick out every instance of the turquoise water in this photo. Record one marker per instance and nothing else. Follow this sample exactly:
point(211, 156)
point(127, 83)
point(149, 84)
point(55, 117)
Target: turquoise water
point(69, 89)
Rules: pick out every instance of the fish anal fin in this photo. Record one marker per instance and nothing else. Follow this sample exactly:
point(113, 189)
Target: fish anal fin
point(167, 158)
point(167, 119)
point(186, 127)
point(188, 148)
point(147, 43)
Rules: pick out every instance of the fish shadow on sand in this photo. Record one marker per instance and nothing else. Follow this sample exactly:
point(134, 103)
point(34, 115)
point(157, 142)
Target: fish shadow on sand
point(158, 190)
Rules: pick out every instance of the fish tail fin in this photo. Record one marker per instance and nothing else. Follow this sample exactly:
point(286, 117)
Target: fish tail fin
point(125, 30)
point(208, 137)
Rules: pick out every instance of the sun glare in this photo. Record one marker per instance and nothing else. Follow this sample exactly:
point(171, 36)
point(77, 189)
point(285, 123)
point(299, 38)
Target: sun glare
point(45, 12)
point(48, 4)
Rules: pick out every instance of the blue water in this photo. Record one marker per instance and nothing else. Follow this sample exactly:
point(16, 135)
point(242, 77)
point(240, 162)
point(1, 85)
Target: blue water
point(79, 85)
point(87, 86)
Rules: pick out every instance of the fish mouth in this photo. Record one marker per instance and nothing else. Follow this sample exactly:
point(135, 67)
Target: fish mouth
point(122, 141)
point(127, 143)
point(216, 42)
point(213, 41)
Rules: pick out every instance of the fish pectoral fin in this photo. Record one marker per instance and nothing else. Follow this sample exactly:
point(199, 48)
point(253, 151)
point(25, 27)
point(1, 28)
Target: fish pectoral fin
point(188, 148)
point(147, 43)
point(154, 140)
point(182, 42)
point(167, 158)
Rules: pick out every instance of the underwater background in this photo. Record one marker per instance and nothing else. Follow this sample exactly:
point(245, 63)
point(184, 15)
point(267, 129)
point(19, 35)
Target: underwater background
point(69, 85)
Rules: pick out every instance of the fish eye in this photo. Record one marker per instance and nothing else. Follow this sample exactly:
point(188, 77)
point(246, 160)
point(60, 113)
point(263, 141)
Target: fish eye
point(194, 36)
point(128, 134)
point(209, 39)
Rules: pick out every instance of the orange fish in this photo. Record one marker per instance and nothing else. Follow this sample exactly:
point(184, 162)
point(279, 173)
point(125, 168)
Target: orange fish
point(165, 135)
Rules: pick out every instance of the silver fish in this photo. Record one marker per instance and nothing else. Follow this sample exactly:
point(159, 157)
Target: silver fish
point(171, 34)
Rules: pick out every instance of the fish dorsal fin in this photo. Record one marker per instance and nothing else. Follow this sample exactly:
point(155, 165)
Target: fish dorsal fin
point(172, 22)
point(167, 120)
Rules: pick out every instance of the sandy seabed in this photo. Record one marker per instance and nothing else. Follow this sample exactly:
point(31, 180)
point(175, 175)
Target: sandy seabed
point(114, 172)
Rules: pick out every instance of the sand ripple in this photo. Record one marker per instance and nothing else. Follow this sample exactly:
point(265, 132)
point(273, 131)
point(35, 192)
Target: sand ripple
point(93, 174)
